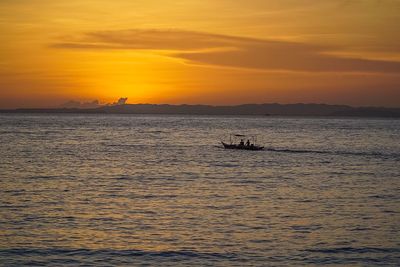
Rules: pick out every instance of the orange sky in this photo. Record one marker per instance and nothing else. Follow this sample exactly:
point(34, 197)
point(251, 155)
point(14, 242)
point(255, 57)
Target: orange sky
point(208, 52)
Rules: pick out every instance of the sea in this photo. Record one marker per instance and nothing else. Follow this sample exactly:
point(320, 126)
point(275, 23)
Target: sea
point(159, 190)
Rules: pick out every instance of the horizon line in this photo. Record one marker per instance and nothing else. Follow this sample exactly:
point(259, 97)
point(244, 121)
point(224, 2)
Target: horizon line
point(197, 104)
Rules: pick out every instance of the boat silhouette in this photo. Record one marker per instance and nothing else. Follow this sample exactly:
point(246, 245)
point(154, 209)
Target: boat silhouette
point(249, 145)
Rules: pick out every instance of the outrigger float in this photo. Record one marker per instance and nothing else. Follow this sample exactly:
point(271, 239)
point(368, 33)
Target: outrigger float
point(249, 145)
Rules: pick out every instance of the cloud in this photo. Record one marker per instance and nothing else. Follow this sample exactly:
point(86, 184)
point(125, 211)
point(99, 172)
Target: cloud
point(173, 40)
point(121, 101)
point(92, 104)
point(77, 104)
point(231, 51)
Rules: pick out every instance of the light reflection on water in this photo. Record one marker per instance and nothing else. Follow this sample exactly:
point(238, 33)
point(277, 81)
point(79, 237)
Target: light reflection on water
point(123, 189)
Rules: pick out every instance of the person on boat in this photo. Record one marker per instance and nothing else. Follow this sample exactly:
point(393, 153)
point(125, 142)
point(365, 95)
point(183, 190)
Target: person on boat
point(248, 142)
point(241, 142)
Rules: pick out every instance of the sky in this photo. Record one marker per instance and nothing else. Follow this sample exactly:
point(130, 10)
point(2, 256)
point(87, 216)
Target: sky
point(199, 52)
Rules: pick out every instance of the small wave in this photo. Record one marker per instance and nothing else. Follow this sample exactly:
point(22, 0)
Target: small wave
point(387, 196)
point(305, 228)
point(153, 132)
point(17, 132)
point(124, 145)
point(344, 256)
point(226, 165)
point(348, 250)
point(112, 253)
point(43, 177)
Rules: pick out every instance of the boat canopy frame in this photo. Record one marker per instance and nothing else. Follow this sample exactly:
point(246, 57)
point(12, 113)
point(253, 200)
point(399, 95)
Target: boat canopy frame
point(252, 137)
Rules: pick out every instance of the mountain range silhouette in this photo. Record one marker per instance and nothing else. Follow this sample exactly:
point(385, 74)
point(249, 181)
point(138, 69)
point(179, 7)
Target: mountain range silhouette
point(273, 109)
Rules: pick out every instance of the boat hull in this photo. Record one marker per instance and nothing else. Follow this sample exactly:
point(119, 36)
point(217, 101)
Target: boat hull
point(241, 147)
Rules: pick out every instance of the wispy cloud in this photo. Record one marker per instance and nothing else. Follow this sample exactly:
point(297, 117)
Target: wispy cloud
point(92, 104)
point(230, 51)
point(78, 104)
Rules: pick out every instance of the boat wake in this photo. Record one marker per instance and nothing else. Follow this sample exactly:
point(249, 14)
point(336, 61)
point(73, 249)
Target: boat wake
point(349, 153)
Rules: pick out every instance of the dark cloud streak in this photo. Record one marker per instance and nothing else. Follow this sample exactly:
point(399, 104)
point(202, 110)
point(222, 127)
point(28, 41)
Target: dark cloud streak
point(230, 51)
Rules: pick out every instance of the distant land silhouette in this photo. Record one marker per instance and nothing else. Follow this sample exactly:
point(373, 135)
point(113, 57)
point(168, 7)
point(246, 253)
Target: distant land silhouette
point(246, 109)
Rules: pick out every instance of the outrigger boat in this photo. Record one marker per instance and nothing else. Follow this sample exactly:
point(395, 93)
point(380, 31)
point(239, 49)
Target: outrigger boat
point(241, 145)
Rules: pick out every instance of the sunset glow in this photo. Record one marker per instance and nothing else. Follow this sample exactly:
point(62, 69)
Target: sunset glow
point(199, 52)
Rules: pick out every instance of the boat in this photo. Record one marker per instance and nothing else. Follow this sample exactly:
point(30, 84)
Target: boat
point(244, 147)
point(241, 145)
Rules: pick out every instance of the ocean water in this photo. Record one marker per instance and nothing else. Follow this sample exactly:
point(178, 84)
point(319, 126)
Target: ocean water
point(126, 190)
